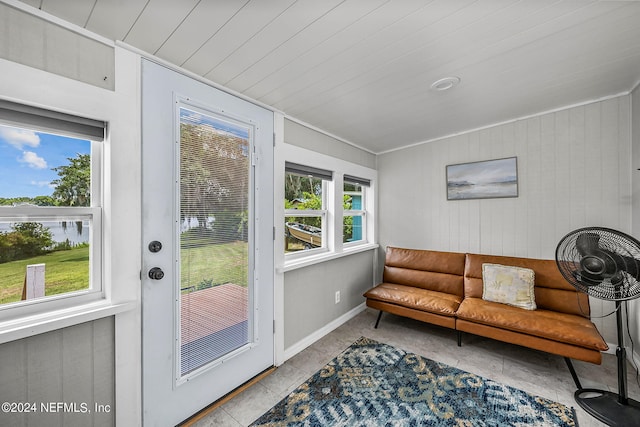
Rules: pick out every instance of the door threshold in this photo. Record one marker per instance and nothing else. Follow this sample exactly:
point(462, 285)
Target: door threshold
point(227, 397)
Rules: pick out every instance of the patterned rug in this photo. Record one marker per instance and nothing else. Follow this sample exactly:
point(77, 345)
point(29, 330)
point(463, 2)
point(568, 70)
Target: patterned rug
point(374, 384)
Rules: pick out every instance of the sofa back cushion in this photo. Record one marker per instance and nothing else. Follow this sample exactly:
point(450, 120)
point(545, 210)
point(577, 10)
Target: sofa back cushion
point(432, 270)
point(552, 291)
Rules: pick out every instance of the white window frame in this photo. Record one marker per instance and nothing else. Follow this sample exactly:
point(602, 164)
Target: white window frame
point(312, 213)
point(362, 213)
point(28, 213)
point(333, 236)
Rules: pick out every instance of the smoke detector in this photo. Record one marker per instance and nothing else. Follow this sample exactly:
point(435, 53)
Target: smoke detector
point(445, 83)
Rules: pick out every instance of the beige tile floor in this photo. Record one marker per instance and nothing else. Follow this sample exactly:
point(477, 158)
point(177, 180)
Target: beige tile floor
point(535, 372)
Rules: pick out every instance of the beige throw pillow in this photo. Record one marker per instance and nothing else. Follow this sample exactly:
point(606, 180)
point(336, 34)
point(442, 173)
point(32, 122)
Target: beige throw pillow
point(509, 285)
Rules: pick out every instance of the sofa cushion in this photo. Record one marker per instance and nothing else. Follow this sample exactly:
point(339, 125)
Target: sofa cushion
point(417, 298)
point(553, 292)
point(562, 327)
point(509, 285)
point(432, 270)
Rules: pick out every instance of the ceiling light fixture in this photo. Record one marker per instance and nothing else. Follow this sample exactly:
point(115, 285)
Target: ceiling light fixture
point(445, 83)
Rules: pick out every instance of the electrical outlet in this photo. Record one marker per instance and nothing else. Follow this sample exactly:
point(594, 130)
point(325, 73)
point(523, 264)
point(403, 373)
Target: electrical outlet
point(337, 297)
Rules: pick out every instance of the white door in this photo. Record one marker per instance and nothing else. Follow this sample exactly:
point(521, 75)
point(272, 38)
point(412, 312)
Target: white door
point(207, 224)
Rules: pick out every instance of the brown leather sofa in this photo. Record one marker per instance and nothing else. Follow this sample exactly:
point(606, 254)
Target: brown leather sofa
point(445, 288)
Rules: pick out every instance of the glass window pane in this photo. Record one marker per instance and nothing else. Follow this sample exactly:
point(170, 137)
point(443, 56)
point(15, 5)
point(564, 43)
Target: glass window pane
point(352, 230)
point(303, 233)
point(353, 224)
point(353, 197)
point(43, 169)
point(302, 192)
point(352, 187)
point(214, 238)
point(42, 259)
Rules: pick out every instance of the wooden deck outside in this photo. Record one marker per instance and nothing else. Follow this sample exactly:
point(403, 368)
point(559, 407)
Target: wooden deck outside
point(211, 310)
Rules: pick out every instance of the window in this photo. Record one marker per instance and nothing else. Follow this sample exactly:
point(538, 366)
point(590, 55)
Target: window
point(354, 205)
point(305, 207)
point(329, 208)
point(50, 207)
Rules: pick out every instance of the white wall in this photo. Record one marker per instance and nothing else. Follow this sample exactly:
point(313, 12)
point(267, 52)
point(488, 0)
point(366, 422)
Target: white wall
point(574, 170)
point(38, 43)
point(309, 294)
point(311, 139)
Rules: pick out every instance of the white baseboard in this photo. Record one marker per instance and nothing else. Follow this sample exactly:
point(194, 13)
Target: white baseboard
point(310, 339)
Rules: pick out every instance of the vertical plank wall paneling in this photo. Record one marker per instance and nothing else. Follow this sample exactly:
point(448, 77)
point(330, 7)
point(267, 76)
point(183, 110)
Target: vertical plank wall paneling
point(72, 366)
point(574, 170)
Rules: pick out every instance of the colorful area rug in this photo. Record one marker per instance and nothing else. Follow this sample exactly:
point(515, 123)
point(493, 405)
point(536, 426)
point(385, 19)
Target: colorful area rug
point(374, 384)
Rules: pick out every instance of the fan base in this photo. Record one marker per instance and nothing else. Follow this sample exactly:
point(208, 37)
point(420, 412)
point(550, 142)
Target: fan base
point(606, 407)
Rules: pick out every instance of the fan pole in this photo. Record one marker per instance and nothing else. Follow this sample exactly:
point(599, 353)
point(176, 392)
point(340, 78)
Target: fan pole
point(621, 354)
point(611, 408)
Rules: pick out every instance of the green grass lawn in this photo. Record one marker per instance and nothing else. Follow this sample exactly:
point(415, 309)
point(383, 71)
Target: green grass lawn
point(215, 264)
point(68, 271)
point(65, 271)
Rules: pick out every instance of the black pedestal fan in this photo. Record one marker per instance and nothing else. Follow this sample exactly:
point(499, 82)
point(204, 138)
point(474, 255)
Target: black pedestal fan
point(605, 264)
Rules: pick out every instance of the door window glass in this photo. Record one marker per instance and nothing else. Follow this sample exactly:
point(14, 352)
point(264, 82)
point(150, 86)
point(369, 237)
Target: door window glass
point(214, 232)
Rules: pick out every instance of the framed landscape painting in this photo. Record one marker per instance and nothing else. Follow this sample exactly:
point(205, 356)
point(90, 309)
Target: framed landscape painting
point(483, 180)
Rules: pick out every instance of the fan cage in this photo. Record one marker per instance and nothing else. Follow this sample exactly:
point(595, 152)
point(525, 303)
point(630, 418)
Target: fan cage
point(625, 249)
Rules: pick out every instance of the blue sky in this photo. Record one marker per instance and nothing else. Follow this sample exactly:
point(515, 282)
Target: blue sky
point(27, 157)
point(189, 116)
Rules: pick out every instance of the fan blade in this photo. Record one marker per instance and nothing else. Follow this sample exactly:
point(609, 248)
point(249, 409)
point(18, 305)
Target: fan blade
point(627, 264)
point(598, 263)
point(588, 243)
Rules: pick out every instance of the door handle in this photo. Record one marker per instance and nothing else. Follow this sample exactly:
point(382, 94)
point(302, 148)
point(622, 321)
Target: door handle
point(156, 273)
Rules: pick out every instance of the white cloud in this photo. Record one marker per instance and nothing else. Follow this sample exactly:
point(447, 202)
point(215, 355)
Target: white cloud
point(19, 138)
point(42, 184)
point(33, 160)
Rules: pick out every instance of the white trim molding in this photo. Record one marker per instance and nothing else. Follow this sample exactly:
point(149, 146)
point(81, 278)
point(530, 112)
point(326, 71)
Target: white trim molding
point(310, 339)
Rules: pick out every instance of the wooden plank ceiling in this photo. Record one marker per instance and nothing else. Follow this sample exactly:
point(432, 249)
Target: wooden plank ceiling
point(362, 69)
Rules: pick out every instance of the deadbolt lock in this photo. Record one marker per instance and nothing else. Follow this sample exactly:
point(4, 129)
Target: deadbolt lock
point(155, 246)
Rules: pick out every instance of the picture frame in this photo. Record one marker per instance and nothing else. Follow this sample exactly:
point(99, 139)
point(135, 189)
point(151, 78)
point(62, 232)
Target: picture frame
point(487, 179)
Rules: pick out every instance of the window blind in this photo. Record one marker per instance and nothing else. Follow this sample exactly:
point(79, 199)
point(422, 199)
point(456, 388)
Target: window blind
point(308, 171)
point(14, 114)
point(355, 180)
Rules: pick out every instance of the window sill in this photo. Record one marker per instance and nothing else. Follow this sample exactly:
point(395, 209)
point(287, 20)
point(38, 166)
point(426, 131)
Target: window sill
point(24, 327)
point(323, 257)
